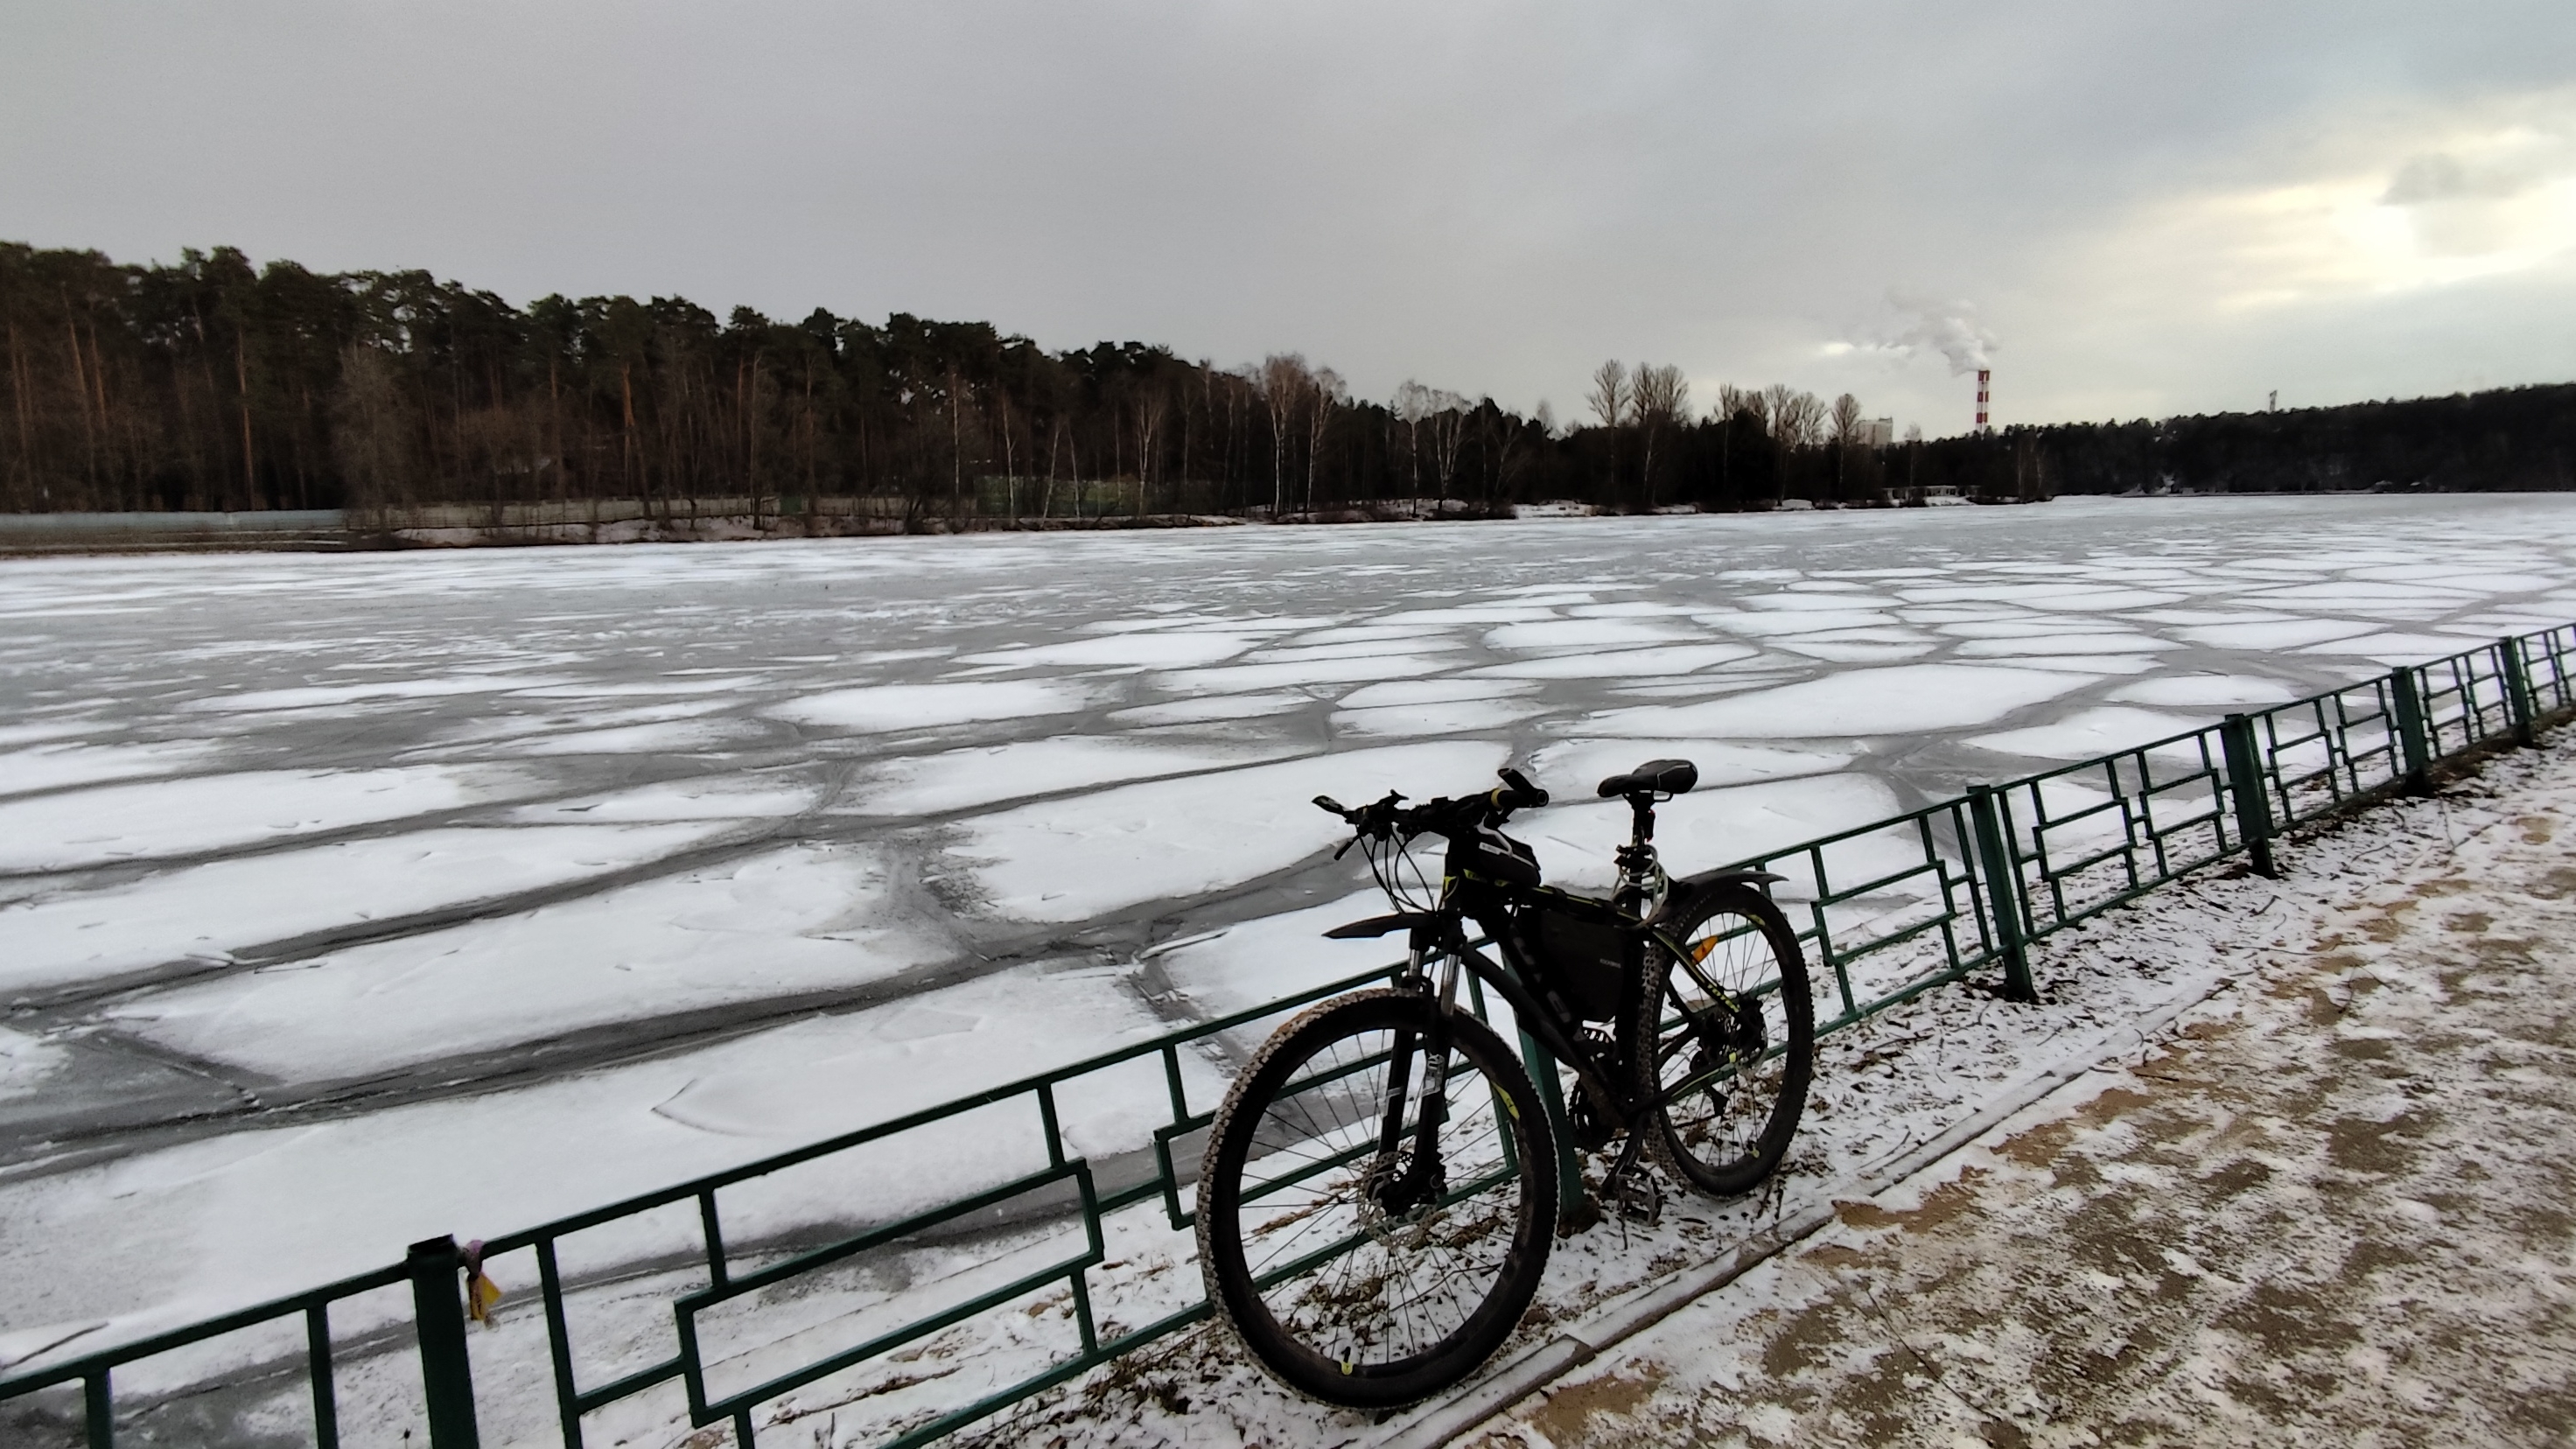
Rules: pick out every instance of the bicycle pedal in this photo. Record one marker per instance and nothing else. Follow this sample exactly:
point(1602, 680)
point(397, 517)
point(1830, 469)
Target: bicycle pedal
point(1635, 1197)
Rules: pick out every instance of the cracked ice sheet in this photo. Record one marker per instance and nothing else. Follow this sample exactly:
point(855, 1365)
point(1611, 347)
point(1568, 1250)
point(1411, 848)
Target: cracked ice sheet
point(127, 1241)
point(1573, 769)
point(791, 922)
point(2399, 648)
point(25, 1063)
point(2273, 634)
point(1305, 653)
point(1141, 648)
point(2085, 642)
point(677, 737)
point(1070, 860)
point(1258, 961)
point(2103, 664)
point(1446, 717)
point(1900, 700)
point(1785, 623)
point(1703, 829)
point(1619, 663)
point(2092, 733)
point(885, 708)
point(53, 767)
point(370, 691)
point(2206, 691)
point(211, 911)
point(971, 778)
point(1363, 669)
point(1587, 634)
point(181, 817)
point(718, 797)
point(1214, 709)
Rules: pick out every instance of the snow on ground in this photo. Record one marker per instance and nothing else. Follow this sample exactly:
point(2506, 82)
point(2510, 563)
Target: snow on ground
point(297, 850)
point(2334, 1210)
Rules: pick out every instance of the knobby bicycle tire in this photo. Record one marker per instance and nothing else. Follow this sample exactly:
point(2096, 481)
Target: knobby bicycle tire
point(1747, 1050)
point(1408, 1305)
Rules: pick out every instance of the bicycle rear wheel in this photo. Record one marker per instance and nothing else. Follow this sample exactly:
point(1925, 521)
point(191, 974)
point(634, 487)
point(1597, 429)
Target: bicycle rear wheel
point(1342, 1284)
point(1729, 1031)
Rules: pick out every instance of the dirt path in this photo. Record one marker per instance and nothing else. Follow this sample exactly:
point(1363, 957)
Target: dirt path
point(2338, 1208)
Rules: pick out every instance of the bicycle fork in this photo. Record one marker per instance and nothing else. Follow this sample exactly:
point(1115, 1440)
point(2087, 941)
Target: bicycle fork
point(1422, 1177)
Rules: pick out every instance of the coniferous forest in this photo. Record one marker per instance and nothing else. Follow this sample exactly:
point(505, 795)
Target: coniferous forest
point(214, 384)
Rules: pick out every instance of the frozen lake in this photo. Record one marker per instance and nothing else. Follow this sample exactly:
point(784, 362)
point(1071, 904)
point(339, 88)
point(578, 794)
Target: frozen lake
point(346, 900)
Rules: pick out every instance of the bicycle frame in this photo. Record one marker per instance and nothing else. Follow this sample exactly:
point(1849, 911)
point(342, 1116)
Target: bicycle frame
point(1442, 934)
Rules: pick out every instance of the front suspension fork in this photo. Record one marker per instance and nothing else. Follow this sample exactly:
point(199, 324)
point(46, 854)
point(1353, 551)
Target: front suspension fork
point(1422, 1175)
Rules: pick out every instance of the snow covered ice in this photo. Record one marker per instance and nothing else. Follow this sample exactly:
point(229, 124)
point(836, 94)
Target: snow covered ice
point(349, 900)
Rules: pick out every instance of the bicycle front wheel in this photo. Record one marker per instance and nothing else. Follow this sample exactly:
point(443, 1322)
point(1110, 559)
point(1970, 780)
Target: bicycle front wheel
point(1353, 1273)
point(1724, 1035)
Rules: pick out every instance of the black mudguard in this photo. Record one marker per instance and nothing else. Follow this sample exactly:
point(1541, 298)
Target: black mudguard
point(1384, 926)
point(1691, 887)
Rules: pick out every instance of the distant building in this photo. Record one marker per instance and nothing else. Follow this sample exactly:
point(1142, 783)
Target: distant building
point(1877, 432)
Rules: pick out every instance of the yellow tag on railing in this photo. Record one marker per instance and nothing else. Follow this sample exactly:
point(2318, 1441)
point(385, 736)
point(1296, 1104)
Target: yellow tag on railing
point(481, 1295)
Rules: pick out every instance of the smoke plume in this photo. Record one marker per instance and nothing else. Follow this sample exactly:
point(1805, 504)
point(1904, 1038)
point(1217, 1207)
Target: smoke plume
point(1948, 328)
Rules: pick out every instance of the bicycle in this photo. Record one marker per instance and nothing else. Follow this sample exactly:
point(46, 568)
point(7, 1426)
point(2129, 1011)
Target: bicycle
point(1372, 1225)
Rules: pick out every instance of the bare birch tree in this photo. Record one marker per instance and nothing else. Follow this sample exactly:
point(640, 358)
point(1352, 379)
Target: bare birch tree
point(1283, 382)
point(1658, 400)
point(1448, 435)
point(1329, 392)
point(1153, 404)
point(1411, 405)
point(1609, 395)
point(1845, 429)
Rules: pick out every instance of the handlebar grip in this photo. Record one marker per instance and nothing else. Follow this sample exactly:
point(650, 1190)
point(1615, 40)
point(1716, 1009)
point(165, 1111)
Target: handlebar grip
point(1328, 803)
point(1518, 793)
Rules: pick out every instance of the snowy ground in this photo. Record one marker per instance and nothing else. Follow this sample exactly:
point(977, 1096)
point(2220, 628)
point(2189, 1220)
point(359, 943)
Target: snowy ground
point(350, 900)
point(2335, 1209)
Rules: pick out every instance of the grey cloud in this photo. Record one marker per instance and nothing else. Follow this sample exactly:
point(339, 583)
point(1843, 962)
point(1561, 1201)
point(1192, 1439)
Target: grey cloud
point(2441, 177)
point(1491, 197)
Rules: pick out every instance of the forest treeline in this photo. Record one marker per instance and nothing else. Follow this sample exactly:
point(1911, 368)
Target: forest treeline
point(217, 384)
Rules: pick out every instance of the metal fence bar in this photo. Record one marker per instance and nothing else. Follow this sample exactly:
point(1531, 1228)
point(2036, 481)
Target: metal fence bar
point(2517, 691)
point(98, 1409)
point(317, 1360)
point(568, 1408)
point(446, 1374)
point(2245, 793)
point(1929, 896)
point(2407, 683)
point(2550, 659)
point(2003, 893)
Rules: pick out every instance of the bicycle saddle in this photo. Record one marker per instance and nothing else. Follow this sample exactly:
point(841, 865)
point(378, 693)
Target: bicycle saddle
point(1655, 777)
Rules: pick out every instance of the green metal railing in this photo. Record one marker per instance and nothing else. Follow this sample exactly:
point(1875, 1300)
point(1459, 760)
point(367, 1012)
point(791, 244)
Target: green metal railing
point(1887, 911)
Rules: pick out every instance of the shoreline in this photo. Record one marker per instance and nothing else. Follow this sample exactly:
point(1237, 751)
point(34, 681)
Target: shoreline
point(610, 522)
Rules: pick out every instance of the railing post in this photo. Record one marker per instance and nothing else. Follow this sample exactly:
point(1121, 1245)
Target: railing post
point(438, 1313)
point(98, 1411)
point(1551, 1096)
point(2412, 741)
point(2003, 892)
point(2245, 791)
point(2517, 692)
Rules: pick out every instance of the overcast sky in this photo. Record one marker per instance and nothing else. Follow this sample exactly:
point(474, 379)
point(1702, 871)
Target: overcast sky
point(2145, 208)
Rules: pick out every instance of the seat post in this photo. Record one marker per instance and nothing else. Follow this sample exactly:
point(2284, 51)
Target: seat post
point(1641, 812)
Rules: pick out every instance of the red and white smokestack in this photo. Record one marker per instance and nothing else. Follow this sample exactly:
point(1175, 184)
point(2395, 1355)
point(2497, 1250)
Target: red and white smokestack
point(1985, 376)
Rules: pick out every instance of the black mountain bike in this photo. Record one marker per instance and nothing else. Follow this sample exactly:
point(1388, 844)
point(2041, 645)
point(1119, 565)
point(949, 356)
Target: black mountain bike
point(1380, 1186)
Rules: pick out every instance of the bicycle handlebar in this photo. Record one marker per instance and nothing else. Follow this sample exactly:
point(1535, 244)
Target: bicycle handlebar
point(1389, 817)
